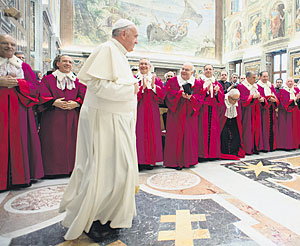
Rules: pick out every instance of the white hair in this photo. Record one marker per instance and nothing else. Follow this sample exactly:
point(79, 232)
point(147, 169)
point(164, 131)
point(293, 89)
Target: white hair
point(189, 64)
point(233, 92)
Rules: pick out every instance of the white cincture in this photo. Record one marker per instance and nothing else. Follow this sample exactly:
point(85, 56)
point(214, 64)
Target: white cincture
point(207, 82)
point(266, 86)
point(252, 88)
point(11, 66)
point(231, 111)
point(64, 80)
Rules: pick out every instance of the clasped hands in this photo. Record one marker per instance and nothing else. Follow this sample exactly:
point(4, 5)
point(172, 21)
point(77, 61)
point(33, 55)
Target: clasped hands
point(9, 81)
point(65, 105)
point(216, 88)
point(145, 82)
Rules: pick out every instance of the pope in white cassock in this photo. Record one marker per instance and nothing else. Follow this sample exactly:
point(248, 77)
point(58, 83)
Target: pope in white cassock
point(105, 177)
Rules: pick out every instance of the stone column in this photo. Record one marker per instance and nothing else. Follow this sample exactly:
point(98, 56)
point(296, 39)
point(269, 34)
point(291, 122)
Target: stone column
point(219, 30)
point(66, 22)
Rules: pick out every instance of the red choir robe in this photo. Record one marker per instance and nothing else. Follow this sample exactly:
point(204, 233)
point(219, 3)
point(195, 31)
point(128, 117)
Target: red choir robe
point(288, 131)
point(58, 127)
point(20, 151)
point(181, 145)
point(251, 120)
point(148, 129)
point(232, 146)
point(209, 122)
point(267, 131)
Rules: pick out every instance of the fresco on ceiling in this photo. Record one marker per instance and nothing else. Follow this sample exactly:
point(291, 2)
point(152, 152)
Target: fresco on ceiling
point(183, 27)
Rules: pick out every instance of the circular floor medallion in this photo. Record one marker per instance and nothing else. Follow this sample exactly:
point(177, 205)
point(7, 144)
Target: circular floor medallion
point(38, 200)
point(173, 180)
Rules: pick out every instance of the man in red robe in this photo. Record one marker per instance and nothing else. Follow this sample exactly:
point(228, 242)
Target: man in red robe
point(20, 157)
point(209, 115)
point(267, 109)
point(251, 119)
point(183, 100)
point(59, 118)
point(288, 131)
point(148, 129)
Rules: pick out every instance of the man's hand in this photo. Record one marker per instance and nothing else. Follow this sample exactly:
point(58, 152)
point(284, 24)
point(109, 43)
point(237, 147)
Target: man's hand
point(261, 99)
point(153, 82)
point(272, 99)
point(186, 96)
point(145, 82)
point(230, 87)
point(136, 88)
point(60, 103)
point(256, 95)
point(71, 105)
point(8, 82)
point(216, 88)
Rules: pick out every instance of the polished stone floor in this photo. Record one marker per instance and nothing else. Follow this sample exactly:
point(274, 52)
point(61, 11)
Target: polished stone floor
point(255, 201)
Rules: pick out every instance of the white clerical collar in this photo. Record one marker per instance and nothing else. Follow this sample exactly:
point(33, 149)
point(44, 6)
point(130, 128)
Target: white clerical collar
point(248, 85)
point(140, 76)
point(119, 45)
point(264, 85)
point(207, 82)
point(231, 111)
point(182, 82)
point(204, 78)
point(14, 61)
point(60, 75)
point(288, 89)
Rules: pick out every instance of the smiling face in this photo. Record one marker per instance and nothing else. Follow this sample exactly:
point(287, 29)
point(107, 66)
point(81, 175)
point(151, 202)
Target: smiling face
point(65, 64)
point(208, 71)
point(290, 82)
point(186, 71)
point(7, 46)
point(144, 66)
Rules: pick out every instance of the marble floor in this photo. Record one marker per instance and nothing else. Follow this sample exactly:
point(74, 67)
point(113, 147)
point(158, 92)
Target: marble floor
point(255, 201)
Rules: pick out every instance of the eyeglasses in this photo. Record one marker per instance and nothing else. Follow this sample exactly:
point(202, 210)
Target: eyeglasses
point(235, 100)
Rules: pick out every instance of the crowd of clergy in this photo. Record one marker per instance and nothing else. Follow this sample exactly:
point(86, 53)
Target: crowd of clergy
point(206, 119)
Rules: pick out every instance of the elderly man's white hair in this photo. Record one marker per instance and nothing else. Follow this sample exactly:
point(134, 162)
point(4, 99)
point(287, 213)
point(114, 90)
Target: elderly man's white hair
point(233, 92)
point(189, 64)
point(120, 25)
point(145, 58)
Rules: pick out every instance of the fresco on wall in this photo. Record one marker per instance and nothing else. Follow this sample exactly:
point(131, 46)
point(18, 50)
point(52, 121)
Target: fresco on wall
point(183, 27)
point(252, 2)
point(277, 21)
point(237, 36)
point(297, 15)
point(255, 28)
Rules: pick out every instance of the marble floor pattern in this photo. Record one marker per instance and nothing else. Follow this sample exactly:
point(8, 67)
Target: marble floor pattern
point(254, 201)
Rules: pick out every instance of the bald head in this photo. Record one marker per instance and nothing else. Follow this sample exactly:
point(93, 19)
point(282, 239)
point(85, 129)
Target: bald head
point(187, 70)
point(7, 46)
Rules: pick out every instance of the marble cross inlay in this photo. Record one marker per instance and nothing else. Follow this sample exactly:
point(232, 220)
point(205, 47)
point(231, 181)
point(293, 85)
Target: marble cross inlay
point(183, 234)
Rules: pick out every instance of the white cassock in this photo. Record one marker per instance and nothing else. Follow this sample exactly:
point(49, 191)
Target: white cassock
point(105, 177)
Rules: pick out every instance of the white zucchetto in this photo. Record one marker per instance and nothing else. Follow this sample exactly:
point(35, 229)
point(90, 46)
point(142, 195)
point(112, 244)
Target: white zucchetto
point(121, 23)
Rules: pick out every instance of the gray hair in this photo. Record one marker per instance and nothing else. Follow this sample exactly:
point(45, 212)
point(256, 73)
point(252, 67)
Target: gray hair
point(249, 74)
point(144, 58)
point(233, 92)
point(117, 32)
point(190, 64)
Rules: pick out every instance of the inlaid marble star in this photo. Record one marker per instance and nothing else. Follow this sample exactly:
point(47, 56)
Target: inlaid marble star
point(258, 168)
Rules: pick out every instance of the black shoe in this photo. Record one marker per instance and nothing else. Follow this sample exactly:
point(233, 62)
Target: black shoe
point(178, 168)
